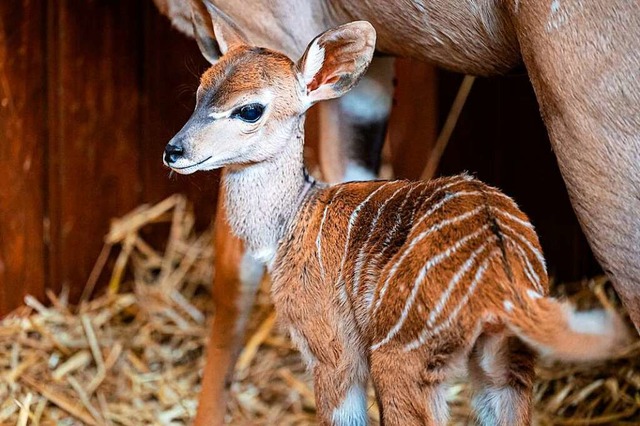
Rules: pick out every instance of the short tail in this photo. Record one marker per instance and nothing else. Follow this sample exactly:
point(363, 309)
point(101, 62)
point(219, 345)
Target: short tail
point(556, 330)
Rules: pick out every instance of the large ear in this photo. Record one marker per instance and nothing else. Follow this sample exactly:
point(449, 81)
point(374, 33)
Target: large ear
point(203, 32)
point(227, 33)
point(214, 31)
point(336, 59)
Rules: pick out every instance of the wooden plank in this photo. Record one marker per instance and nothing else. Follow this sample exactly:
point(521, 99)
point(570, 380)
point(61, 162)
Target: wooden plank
point(172, 66)
point(23, 135)
point(94, 139)
point(413, 122)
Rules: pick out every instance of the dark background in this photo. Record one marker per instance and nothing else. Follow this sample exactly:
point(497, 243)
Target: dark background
point(91, 91)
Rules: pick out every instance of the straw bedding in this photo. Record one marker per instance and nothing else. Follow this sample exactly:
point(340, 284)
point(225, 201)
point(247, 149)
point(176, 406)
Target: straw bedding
point(133, 355)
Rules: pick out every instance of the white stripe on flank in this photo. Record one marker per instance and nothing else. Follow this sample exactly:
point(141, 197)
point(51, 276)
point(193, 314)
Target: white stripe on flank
point(495, 191)
point(531, 273)
point(385, 244)
point(435, 313)
point(456, 180)
point(508, 306)
point(319, 237)
point(398, 221)
point(419, 204)
point(527, 243)
point(514, 218)
point(359, 258)
point(534, 294)
point(352, 220)
point(435, 260)
point(427, 332)
point(445, 199)
point(423, 235)
point(442, 202)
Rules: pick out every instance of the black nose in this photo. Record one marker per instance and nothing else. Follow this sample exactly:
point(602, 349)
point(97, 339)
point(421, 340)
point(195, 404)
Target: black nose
point(172, 153)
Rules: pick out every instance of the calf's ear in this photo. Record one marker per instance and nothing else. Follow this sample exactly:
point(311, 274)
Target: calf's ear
point(335, 61)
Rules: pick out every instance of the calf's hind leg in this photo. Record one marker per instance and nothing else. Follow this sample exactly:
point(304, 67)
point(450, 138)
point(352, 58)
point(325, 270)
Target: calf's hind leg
point(502, 372)
point(340, 389)
point(411, 386)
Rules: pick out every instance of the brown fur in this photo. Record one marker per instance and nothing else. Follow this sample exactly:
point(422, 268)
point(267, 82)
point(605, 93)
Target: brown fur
point(224, 338)
point(315, 272)
point(248, 70)
point(584, 64)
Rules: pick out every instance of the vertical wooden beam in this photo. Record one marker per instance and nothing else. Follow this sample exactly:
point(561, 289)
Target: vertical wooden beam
point(95, 115)
point(413, 121)
point(23, 137)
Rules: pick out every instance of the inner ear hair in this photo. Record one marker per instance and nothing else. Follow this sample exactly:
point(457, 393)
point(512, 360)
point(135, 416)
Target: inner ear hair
point(335, 60)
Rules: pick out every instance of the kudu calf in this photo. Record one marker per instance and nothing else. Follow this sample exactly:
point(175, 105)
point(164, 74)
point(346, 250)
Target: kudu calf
point(353, 129)
point(400, 279)
point(583, 61)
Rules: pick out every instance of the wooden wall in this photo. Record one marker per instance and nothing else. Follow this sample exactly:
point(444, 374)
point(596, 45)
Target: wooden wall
point(23, 134)
point(91, 91)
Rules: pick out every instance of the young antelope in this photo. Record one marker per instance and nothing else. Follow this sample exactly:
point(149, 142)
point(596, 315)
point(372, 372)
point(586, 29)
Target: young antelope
point(401, 281)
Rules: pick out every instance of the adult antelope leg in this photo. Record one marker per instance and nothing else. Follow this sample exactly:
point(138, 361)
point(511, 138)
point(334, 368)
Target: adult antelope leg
point(583, 62)
point(236, 280)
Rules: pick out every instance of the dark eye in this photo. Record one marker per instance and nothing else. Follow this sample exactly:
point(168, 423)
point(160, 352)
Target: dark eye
point(249, 113)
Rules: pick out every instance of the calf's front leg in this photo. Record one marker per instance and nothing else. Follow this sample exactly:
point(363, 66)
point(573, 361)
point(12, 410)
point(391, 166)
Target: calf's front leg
point(336, 357)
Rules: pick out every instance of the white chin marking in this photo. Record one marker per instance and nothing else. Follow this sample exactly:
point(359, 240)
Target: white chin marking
point(187, 171)
point(184, 168)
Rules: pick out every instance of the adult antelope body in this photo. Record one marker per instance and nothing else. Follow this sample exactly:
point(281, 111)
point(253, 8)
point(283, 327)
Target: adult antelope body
point(582, 58)
point(402, 279)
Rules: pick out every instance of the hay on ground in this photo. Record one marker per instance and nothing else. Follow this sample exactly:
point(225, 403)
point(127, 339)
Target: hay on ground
point(134, 355)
